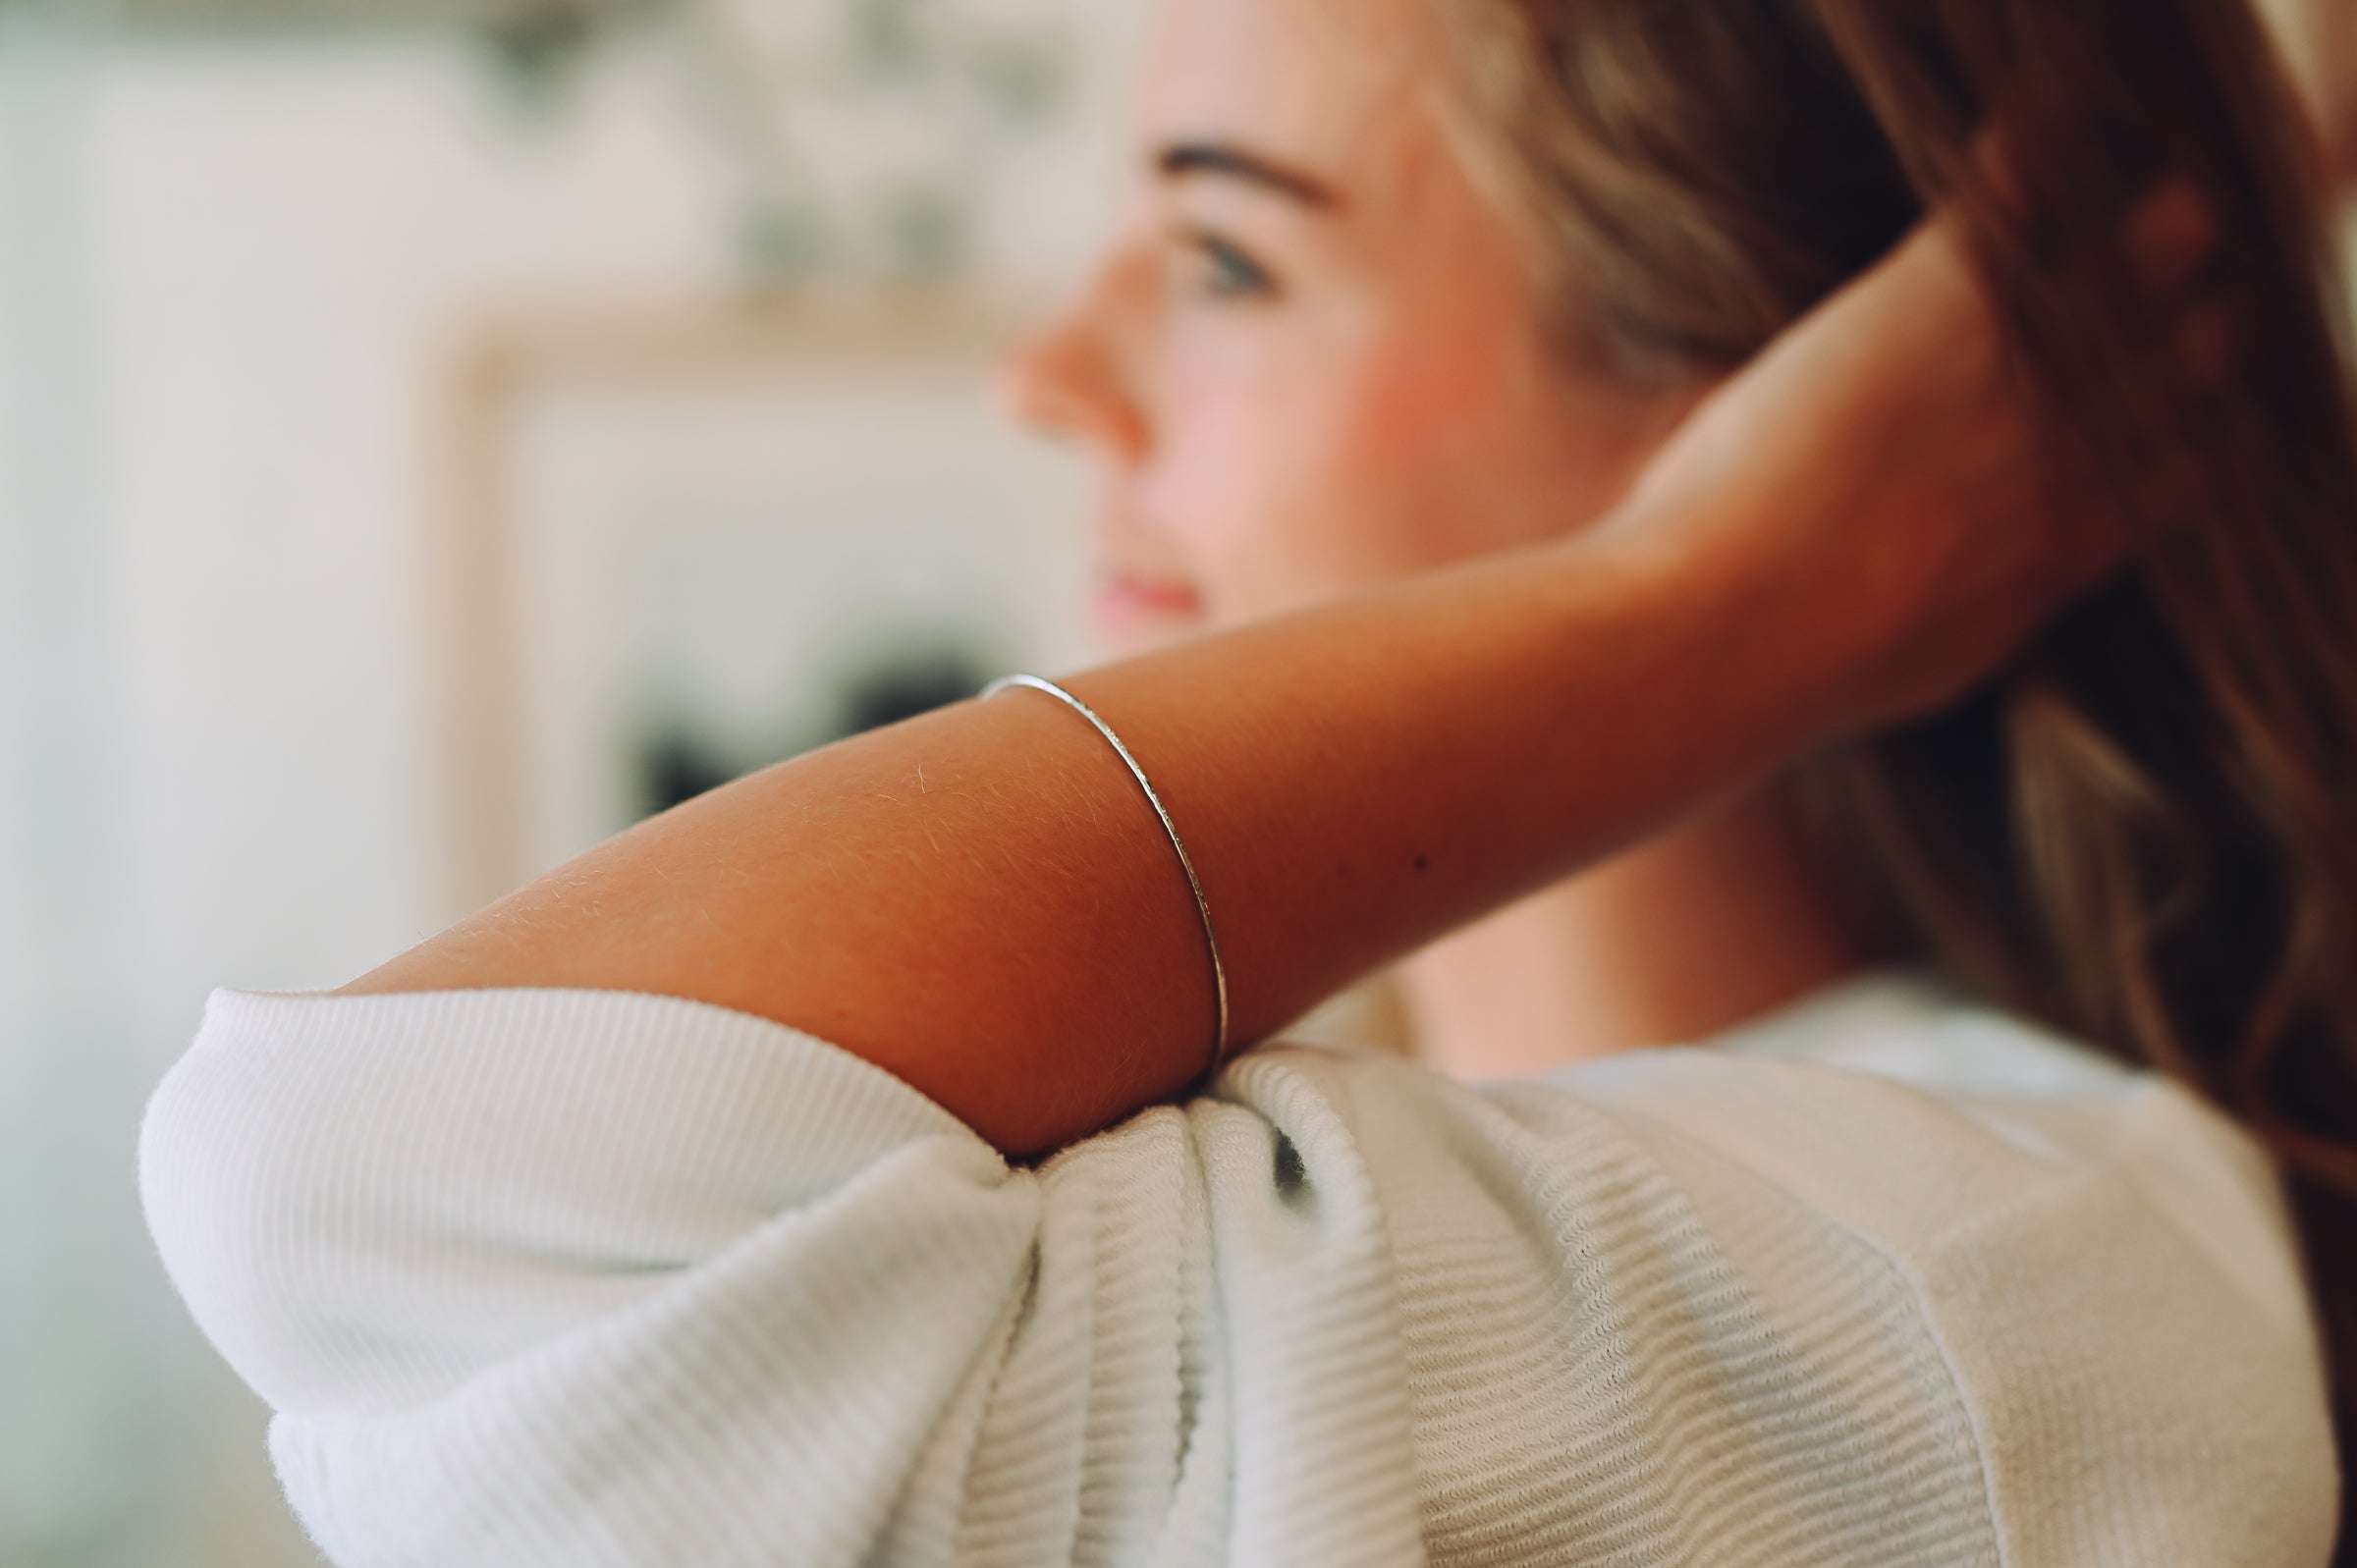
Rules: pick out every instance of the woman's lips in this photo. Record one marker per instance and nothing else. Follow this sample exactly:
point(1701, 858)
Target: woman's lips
point(1122, 602)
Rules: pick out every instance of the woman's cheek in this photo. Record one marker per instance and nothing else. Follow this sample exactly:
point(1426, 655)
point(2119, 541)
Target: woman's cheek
point(1280, 508)
point(1283, 542)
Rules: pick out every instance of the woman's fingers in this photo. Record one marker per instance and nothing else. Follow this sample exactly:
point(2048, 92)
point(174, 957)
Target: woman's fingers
point(2165, 484)
point(2207, 340)
point(2172, 238)
point(2168, 483)
point(2168, 240)
point(2001, 170)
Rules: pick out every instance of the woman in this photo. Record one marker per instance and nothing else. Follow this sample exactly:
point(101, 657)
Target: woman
point(1449, 360)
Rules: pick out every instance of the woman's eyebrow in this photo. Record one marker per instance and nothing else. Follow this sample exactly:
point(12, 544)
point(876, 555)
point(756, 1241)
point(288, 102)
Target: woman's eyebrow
point(1181, 159)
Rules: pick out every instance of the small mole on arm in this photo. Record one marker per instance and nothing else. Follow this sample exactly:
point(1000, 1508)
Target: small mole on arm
point(1421, 863)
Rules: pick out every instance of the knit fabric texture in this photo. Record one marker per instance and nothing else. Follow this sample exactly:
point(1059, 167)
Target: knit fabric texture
point(586, 1278)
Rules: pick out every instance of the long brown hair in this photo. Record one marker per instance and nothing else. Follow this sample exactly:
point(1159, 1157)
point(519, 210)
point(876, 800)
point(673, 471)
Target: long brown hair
point(2143, 831)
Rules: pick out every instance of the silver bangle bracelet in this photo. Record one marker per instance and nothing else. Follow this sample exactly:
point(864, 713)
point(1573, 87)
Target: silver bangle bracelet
point(1219, 971)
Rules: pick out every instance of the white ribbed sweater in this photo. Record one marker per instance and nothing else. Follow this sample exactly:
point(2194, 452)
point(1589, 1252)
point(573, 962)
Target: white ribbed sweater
point(552, 1277)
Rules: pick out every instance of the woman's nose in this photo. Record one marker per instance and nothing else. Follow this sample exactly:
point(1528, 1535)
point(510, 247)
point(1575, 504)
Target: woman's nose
point(1066, 380)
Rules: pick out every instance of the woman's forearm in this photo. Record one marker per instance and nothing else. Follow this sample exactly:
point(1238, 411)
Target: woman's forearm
point(982, 901)
point(1849, 532)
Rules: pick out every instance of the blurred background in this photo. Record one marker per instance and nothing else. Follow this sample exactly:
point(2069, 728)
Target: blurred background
point(434, 434)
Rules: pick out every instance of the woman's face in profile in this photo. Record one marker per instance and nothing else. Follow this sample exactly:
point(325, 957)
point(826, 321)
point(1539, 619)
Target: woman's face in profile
point(1309, 359)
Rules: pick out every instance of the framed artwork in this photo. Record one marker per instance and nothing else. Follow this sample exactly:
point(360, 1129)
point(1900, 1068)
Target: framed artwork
point(677, 546)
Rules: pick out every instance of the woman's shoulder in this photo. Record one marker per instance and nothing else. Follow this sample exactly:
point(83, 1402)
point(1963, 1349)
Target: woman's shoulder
point(1895, 1107)
point(1873, 1061)
point(1903, 1025)
point(2074, 1267)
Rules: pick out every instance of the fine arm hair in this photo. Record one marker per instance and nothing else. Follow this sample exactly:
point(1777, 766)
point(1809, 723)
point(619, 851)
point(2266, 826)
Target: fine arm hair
point(2137, 832)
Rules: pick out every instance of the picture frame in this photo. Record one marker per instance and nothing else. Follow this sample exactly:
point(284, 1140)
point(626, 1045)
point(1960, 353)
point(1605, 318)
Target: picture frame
point(725, 532)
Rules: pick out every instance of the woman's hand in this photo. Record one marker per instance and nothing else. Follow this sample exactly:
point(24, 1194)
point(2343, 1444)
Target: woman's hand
point(1885, 468)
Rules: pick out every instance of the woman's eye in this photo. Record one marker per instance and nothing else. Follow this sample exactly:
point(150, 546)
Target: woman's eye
point(1222, 271)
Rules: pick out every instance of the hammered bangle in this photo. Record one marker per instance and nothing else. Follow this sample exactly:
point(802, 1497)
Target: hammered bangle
point(1219, 971)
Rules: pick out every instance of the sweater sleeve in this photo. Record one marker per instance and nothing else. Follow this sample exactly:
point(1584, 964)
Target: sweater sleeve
point(536, 1277)
point(546, 1276)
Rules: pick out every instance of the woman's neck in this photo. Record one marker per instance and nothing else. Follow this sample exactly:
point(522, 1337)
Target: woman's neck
point(1678, 938)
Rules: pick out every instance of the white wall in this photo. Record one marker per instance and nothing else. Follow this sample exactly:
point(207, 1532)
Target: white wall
point(231, 268)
